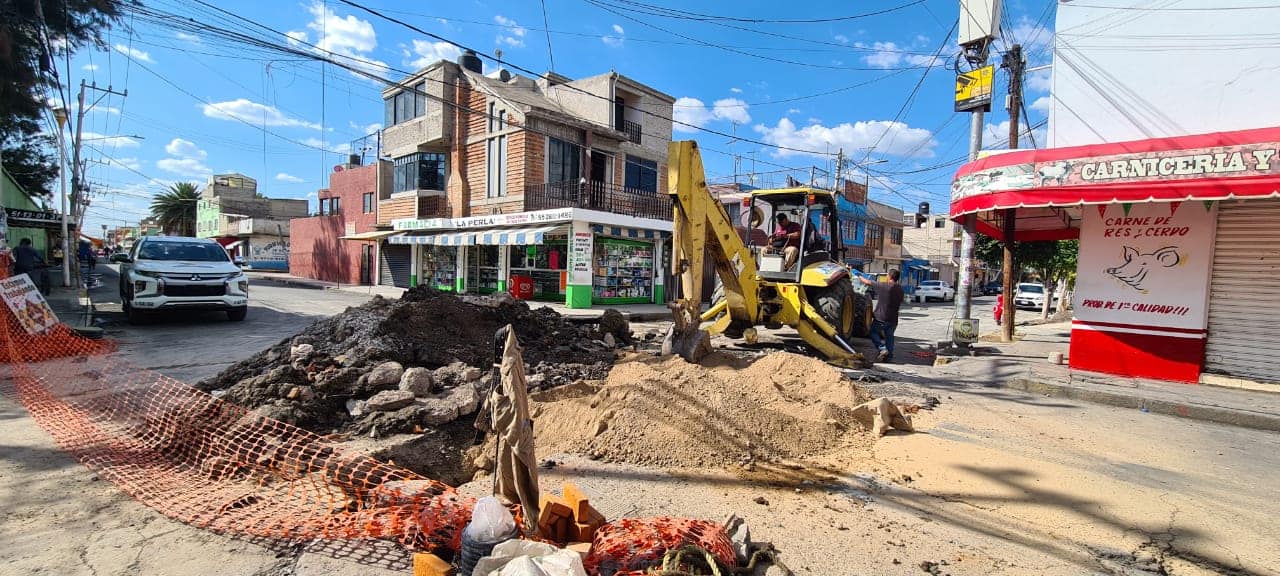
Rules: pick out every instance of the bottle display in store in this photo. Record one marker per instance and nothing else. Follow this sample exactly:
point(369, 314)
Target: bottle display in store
point(623, 271)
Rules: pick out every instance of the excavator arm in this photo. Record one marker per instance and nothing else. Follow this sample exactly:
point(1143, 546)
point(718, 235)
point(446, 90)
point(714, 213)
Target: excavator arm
point(702, 229)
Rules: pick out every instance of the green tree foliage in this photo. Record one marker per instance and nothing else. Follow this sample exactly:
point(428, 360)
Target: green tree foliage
point(34, 36)
point(175, 209)
point(1052, 259)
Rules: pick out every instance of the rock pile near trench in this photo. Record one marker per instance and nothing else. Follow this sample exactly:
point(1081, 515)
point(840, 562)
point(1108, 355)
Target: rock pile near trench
point(405, 365)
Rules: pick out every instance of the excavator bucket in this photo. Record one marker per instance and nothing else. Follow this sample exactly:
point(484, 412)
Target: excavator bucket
point(685, 337)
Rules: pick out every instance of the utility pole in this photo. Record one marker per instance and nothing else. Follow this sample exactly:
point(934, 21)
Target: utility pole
point(1014, 62)
point(78, 185)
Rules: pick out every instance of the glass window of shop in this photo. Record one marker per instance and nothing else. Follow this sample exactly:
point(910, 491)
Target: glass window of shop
point(438, 267)
point(419, 171)
point(545, 264)
point(623, 271)
point(482, 269)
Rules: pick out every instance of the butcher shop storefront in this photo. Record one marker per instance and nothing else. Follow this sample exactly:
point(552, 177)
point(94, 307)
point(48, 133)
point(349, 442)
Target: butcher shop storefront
point(1179, 268)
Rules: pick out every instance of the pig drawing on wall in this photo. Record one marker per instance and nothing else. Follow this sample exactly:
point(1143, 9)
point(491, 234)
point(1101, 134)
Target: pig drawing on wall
point(1138, 266)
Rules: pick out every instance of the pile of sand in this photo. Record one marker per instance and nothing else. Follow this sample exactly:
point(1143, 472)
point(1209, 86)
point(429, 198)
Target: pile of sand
point(728, 411)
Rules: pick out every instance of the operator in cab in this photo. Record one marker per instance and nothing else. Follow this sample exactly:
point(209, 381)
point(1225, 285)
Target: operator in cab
point(787, 233)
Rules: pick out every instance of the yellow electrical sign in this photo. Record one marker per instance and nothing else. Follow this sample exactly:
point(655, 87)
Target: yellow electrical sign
point(973, 89)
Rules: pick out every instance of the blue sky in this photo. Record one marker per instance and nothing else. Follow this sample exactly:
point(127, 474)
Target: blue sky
point(205, 105)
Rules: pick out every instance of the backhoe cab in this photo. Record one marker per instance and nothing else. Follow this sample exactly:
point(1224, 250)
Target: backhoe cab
point(768, 274)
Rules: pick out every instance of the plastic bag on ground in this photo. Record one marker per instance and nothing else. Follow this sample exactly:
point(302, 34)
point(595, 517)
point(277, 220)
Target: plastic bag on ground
point(507, 551)
point(522, 566)
point(490, 521)
point(529, 558)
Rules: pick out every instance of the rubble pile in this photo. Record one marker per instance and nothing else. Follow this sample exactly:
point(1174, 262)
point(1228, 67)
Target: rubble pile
point(408, 365)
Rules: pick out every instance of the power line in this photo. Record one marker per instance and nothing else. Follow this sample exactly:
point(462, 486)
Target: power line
point(910, 97)
point(685, 15)
point(547, 23)
point(570, 86)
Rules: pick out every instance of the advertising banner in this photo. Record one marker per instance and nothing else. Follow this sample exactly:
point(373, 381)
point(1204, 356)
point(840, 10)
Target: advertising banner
point(27, 304)
point(1145, 265)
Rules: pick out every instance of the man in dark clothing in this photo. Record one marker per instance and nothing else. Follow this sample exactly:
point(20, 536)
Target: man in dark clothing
point(888, 300)
point(25, 258)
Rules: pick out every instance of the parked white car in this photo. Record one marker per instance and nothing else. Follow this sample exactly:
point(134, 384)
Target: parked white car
point(935, 290)
point(1030, 295)
point(171, 272)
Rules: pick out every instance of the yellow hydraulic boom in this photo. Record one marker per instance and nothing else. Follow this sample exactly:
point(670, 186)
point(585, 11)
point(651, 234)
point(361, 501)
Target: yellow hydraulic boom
point(702, 229)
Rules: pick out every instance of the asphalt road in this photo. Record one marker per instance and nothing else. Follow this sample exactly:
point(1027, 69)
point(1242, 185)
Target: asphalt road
point(192, 345)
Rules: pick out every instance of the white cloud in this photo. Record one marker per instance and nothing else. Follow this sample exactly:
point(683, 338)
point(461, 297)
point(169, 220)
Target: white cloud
point(134, 53)
point(296, 37)
point(342, 148)
point(188, 37)
point(366, 129)
point(130, 163)
point(736, 90)
point(111, 110)
point(1041, 104)
point(891, 55)
point(616, 40)
point(101, 140)
point(312, 195)
point(996, 136)
point(186, 159)
point(791, 111)
point(284, 177)
point(429, 52)
point(253, 113)
point(89, 67)
point(513, 35)
point(1039, 81)
point(346, 37)
point(841, 38)
point(693, 112)
point(898, 138)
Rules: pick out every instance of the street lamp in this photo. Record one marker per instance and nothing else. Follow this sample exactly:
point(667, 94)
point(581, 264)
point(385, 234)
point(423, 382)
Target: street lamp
point(60, 114)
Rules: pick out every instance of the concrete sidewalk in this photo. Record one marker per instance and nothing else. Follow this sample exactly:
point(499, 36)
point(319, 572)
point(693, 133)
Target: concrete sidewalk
point(633, 312)
point(1023, 365)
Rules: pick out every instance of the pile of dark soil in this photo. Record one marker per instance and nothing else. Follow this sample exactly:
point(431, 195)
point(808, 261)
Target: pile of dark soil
point(322, 378)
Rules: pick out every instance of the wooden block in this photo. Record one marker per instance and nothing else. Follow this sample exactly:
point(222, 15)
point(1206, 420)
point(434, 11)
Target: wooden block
point(577, 500)
point(425, 564)
point(550, 504)
point(584, 532)
point(592, 516)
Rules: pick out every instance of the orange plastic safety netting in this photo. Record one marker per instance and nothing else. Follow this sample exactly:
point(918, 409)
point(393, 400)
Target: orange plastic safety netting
point(219, 466)
point(214, 464)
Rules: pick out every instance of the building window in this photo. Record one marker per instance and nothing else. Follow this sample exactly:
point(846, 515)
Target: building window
point(939, 222)
point(563, 161)
point(405, 105)
point(368, 202)
point(895, 235)
point(329, 206)
point(496, 167)
point(641, 174)
point(420, 171)
point(875, 236)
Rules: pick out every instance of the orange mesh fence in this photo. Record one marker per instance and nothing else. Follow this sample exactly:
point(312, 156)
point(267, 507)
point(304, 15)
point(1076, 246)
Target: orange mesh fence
point(628, 546)
point(218, 466)
point(214, 464)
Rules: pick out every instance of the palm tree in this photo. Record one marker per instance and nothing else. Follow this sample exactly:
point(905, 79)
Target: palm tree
point(175, 209)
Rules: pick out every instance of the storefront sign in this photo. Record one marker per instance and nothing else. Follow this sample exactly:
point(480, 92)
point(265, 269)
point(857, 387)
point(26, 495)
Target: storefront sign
point(539, 217)
point(580, 257)
point(973, 89)
point(27, 304)
point(33, 218)
point(1154, 167)
point(1145, 265)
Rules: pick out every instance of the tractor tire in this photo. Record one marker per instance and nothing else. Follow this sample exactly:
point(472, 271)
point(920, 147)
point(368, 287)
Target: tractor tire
point(841, 307)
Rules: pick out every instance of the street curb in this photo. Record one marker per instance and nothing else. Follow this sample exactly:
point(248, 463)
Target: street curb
point(1202, 412)
point(296, 283)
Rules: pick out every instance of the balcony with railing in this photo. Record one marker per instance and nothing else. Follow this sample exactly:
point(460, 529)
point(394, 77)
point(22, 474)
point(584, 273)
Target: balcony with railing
point(633, 131)
point(598, 196)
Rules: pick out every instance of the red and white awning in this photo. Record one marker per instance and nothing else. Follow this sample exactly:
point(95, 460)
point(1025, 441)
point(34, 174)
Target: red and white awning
point(1048, 188)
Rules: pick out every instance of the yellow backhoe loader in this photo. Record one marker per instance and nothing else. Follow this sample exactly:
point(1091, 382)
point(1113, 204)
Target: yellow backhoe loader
point(815, 294)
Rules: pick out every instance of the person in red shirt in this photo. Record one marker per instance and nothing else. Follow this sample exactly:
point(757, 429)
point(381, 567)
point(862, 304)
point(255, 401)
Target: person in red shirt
point(790, 232)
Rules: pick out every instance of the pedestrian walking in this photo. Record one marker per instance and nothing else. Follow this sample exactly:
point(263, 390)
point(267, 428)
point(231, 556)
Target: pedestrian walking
point(889, 298)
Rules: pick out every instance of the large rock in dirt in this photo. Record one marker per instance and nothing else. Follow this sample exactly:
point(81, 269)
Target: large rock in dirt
point(389, 401)
point(342, 380)
point(383, 376)
point(465, 398)
point(613, 322)
point(281, 412)
point(436, 411)
point(301, 352)
point(418, 381)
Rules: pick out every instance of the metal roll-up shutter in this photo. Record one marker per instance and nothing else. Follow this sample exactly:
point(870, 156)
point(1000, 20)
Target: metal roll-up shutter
point(395, 265)
point(1244, 298)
